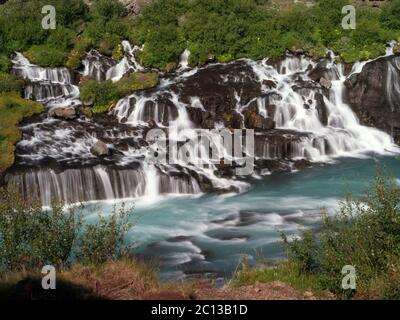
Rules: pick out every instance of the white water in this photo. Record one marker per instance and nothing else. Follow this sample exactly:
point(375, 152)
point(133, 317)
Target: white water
point(184, 63)
point(344, 134)
point(319, 142)
point(53, 87)
point(102, 68)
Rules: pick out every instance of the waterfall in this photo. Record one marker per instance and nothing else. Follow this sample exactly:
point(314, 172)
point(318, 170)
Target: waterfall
point(310, 122)
point(343, 134)
point(393, 84)
point(102, 68)
point(100, 183)
point(184, 62)
point(52, 86)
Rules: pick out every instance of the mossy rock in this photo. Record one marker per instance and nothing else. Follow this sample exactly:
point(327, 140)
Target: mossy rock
point(106, 93)
point(13, 109)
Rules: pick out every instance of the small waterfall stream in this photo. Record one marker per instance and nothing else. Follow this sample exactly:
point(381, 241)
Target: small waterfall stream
point(311, 122)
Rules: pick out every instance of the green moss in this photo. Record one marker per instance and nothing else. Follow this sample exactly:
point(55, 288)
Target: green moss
point(80, 47)
point(88, 112)
point(46, 56)
point(13, 109)
point(103, 94)
point(5, 63)
point(138, 81)
point(10, 83)
point(224, 58)
point(118, 52)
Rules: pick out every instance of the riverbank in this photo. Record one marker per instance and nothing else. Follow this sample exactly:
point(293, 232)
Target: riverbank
point(124, 280)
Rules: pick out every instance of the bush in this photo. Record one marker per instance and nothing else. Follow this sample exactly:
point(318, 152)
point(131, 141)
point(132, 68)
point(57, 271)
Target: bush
point(390, 15)
point(5, 63)
point(104, 240)
point(46, 56)
point(20, 22)
point(10, 83)
point(365, 234)
point(31, 236)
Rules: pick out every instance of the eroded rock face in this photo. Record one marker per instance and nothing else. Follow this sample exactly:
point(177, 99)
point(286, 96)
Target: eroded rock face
point(220, 89)
point(374, 94)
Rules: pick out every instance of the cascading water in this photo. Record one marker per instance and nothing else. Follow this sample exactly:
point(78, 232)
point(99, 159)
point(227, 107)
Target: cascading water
point(102, 68)
point(298, 110)
point(305, 121)
point(53, 87)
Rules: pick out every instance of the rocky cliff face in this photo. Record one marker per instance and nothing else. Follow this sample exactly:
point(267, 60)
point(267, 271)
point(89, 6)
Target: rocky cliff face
point(374, 94)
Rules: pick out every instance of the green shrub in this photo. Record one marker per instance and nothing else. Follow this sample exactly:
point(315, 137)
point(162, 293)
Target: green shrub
point(10, 83)
point(365, 234)
point(31, 237)
point(46, 56)
point(5, 63)
point(104, 240)
point(20, 22)
point(390, 15)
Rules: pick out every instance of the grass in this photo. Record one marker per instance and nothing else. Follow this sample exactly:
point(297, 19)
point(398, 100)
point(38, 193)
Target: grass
point(123, 279)
point(287, 272)
point(13, 109)
point(106, 93)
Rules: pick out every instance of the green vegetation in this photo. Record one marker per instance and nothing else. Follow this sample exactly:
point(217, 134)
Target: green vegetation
point(103, 94)
point(365, 234)
point(21, 28)
point(31, 237)
point(231, 29)
point(13, 109)
point(225, 29)
point(10, 83)
point(46, 56)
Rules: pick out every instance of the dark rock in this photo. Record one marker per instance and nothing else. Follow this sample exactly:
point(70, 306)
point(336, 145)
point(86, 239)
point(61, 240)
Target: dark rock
point(322, 109)
point(373, 98)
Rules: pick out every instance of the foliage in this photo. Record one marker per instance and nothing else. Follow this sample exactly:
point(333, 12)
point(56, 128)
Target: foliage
point(31, 236)
point(10, 83)
point(104, 240)
point(5, 63)
point(231, 29)
point(226, 29)
point(103, 94)
point(21, 28)
point(13, 109)
point(46, 56)
point(365, 234)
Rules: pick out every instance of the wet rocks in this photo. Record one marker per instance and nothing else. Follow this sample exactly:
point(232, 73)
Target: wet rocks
point(374, 95)
point(325, 83)
point(220, 88)
point(100, 149)
point(66, 113)
point(96, 65)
